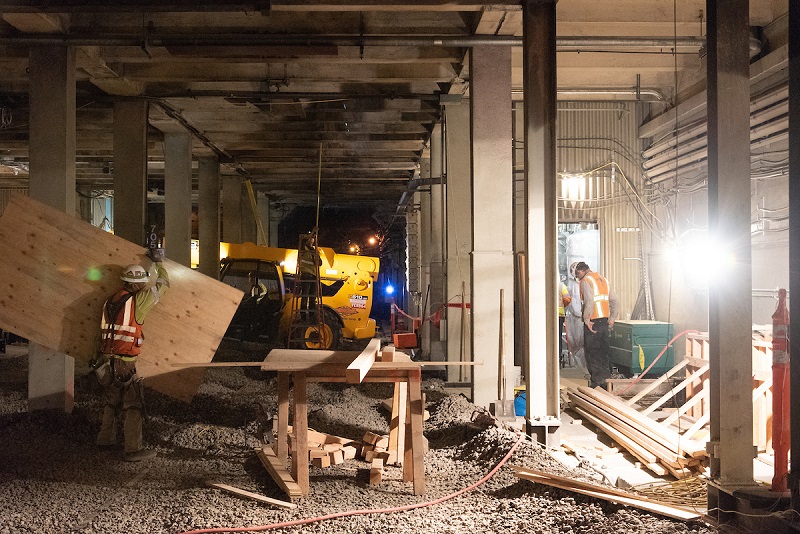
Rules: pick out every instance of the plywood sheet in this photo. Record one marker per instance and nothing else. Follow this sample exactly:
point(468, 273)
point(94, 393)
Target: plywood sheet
point(56, 272)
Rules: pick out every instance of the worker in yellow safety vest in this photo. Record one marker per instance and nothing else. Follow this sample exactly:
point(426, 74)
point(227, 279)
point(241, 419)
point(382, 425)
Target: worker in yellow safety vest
point(564, 299)
point(599, 313)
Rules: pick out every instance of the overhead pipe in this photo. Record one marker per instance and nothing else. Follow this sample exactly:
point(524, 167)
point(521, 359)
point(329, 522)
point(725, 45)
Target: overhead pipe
point(769, 133)
point(666, 151)
point(563, 44)
point(700, 126)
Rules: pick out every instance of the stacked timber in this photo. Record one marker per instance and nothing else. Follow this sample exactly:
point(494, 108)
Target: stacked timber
point(325, 450)
point(657, 447)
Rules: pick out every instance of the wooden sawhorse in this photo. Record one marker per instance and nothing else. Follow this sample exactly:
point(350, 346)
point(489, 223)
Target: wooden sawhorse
point(304, 366)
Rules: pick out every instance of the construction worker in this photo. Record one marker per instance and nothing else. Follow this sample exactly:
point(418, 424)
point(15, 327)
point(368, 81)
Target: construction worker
point(257, 287)
point(599, 312)
point(120, 342)
point(563, 301)
point(308, 262)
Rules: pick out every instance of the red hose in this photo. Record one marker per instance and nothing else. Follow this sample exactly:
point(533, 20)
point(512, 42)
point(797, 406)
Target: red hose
point(671, 341)
point(369, 511)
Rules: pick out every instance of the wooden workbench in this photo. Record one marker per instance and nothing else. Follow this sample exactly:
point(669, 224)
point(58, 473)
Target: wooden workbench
point(304, 366)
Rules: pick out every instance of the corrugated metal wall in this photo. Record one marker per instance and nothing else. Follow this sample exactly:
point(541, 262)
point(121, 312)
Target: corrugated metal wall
point(597, 142)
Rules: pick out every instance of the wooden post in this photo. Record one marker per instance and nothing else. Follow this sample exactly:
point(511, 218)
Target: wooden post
point(417, 447)
point(282, 446)
point(300, 430)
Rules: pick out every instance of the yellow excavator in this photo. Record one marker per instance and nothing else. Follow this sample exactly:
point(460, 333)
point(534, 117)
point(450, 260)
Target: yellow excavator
point(266, 276)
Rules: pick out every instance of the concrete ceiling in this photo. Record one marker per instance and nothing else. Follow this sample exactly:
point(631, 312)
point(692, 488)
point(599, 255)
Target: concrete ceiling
point(265, 84)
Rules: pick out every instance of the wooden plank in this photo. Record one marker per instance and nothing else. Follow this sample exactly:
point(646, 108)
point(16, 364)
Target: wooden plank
point(250, 495)
point(630, 429)
point(688, 405)
point(657, 382)
point(631, 446)
point(608, 494)
point(279, 473)
point(666, 436)
point(300, 431)
point(282, 450)
point(671, 393)
point(56, 271)
point(361, 365)
point(397, 425)
point(643, 455)
point(700, 423)
point(417, 446)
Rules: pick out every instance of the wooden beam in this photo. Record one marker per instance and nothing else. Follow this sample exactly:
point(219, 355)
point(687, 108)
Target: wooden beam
point(657, 382)
point(250, 495)
point(299, 447)
point(668, 437)
point(630, 429)
point(56, 271)
point(279, 473)
point(361, 365)
point(606, 493)
point(671, 393)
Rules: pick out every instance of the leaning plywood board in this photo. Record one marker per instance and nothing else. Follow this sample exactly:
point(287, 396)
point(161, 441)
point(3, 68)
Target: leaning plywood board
point(56, 271)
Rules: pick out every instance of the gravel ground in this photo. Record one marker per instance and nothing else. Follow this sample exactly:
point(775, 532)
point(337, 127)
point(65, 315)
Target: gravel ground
point(54, 479)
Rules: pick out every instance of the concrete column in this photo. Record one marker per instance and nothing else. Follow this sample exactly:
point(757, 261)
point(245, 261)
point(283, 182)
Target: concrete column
point(249, 225)
point(51, 126)
point(413, 254)
point(84, 202)
point(130, 170)
point(264, 215)
point(178, 197)
point(274, 222)
point(539, 86)
point(794, 244)
point(208, 213)
point(492, 251)
point(459, 236)
point(437, 281)
point(730, 299)
point(232, 209)
point(425, 254)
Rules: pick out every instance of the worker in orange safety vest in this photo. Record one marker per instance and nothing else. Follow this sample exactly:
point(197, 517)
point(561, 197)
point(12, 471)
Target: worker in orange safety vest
point(599, 313)
point(121, 340)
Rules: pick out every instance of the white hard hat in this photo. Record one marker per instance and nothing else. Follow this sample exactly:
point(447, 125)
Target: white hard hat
point(134, 273)
point(572, 267)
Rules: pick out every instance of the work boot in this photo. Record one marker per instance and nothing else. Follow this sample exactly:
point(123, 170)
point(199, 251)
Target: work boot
point(138, 456)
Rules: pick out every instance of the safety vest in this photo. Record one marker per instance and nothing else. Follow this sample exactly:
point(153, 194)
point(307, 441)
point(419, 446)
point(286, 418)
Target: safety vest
point(600, 288)
point(121, 335)
point(563, 299)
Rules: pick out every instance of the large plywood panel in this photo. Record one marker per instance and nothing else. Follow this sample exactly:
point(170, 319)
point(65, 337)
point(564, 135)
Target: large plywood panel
point(56, 272)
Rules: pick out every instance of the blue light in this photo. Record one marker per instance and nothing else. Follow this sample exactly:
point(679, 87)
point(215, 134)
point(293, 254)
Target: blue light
point(389, 289)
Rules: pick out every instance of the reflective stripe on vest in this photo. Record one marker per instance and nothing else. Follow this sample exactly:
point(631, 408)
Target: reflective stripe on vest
point(600, 290)
point(123, 335)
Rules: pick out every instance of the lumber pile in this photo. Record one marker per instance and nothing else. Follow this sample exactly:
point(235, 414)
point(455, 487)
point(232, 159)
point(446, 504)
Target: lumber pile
point(657, 447)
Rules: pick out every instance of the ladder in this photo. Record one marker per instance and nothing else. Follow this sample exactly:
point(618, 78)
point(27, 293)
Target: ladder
point(307, 326)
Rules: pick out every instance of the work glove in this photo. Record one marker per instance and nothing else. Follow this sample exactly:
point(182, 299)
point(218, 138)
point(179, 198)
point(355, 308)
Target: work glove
point(156, 254)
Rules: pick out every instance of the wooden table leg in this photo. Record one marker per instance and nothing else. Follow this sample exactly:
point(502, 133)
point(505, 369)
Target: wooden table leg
point(300, 431)
point(416, 410)
point(282, 445)
point(397, 426)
